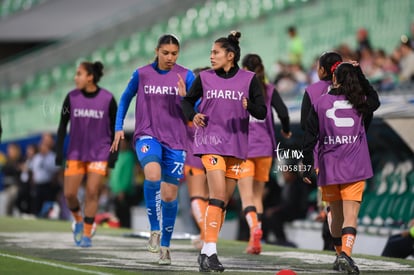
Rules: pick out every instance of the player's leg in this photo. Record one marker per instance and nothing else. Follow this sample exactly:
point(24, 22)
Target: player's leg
point(172, 173)
point(149, 152)
point(198, 191)
point(216, 168)
point(73, 176)
point(96, 174)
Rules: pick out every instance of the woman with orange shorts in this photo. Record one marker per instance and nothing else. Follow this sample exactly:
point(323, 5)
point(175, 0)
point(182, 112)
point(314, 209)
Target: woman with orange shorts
point(338, 122)
point(222, 124)
point(91, 111)
point(261, 149)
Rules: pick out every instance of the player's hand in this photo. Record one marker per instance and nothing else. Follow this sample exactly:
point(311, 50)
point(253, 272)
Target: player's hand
point(286, 135)
point(118, 136)
point(354, 63)
point(181, 86)
point(244, 102)
point(199, 120)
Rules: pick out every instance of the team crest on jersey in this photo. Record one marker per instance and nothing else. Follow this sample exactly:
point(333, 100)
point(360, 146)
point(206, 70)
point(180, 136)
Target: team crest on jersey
point(145, 148)
point(213, 161)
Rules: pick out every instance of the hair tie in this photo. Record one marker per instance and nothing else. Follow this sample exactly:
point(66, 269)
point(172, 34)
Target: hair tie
point(334, 66)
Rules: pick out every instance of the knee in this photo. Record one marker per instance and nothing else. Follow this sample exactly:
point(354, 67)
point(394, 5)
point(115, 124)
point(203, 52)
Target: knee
point(70, 195)
point(153, 176)
point(92, 196)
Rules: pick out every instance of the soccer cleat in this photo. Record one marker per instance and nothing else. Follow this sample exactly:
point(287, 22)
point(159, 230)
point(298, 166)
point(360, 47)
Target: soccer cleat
point(86, 242)
point(199, 258)
point(348, 264)
point(208, 264)
point(255, 245)
point(165, 257)
point(77, 229)
point(336, 265)
point(154, 242)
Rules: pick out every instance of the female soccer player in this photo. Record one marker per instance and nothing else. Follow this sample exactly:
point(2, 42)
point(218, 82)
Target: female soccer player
point(338, 122)
point(261, 148)
point(313, 92)
point(159, 137)
point(93, 108)
point(222, 129)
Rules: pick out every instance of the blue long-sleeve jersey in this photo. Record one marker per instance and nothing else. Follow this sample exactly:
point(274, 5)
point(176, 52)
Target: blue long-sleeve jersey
point(131, 90)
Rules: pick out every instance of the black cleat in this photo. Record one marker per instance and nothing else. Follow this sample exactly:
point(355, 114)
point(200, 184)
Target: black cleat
point(348, 264)
point(336, 265)
point(209, 264)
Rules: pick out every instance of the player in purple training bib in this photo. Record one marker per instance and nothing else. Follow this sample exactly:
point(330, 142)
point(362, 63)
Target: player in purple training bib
point(229, 95)
point(338, 122)
point(159, 137)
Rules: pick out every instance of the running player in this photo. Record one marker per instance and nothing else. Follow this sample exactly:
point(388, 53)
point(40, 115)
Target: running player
point(93, 108)
point(159, 137)
point(338, 122)
point(261, 149)
point(221, 134)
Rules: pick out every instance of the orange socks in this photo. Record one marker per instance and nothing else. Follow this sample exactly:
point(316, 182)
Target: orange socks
point(77, 216)
point(348, 239)
point(251, 217)
point(198, 209)
point(213, 220)
point(87, 226)
point(87, 230)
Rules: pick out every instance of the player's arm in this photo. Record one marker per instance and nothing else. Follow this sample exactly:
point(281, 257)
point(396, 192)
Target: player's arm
point(62, 130)
point(309, 143)
point(126, 97)
point(113, 107)
point(304, 110)
point(187, 104)
point(256, 105)
point(282, 112)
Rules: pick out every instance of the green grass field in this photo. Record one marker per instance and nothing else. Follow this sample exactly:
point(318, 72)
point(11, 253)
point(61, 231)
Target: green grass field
point(46, 247)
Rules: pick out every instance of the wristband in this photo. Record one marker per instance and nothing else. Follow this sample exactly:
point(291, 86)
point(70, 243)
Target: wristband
point(412, 232)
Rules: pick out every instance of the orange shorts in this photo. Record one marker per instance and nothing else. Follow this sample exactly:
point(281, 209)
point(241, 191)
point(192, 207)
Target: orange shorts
point(258, 168)
point(230, 165)
point(77, 167)
point(193, 171)
point(345, 192)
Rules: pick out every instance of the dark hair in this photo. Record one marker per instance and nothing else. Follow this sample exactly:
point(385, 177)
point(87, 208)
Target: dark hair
point(168, 39)
point(95, 69)
point(231, 44)
point(327, 60)
point(347, 76)
point(254, 63)
point(291, 29)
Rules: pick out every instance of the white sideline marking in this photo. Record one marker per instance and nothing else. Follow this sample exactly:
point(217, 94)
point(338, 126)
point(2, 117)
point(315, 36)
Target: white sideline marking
point(54, 264)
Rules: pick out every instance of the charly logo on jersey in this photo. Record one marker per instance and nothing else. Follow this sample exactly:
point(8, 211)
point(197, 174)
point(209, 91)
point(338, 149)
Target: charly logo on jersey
point(160, 90)
point(340, 121)
point(88, 113)
point(213, 160)
point(145, 148)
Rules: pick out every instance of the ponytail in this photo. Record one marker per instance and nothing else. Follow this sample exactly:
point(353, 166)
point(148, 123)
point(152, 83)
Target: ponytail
point(347, 76)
